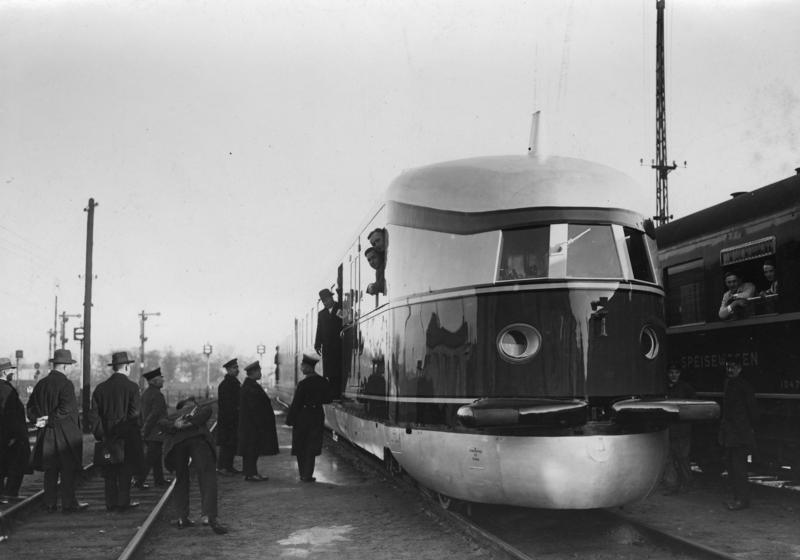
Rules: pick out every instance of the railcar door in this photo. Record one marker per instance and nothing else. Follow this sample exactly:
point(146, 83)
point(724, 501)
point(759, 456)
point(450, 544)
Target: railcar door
point(350, 301)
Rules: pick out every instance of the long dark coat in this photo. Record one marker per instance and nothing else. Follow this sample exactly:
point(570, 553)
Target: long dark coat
point(681, 390)
point(328, 342)
point(198, 418)
point(257, 433)
point(228, 395)
point(60, 443)
point(115, 404)
point(14, 458)
point(154, 408)
point(739, 413)
point(306, 415)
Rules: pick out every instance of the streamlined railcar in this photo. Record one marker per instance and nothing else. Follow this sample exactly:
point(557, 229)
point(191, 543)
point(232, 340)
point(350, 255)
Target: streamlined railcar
point(756, 235)
point(515, 353)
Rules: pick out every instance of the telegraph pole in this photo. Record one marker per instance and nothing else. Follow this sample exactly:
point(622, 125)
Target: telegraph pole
point(142, 318)
point(661, 164)
point(207, 350)
point(54, 332)
point(86, 343)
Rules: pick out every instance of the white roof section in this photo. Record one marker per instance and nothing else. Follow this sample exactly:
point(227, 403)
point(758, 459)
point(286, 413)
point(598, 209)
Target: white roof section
point(487, 184)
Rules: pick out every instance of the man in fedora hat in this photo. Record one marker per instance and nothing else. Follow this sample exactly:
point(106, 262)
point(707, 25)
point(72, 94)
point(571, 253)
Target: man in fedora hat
point(307, 417)
point(228, 417)
point(14, 447)
point(59, 442)
point(257, 433)
point(115, 405)
point(328, 342)
point(154, 408)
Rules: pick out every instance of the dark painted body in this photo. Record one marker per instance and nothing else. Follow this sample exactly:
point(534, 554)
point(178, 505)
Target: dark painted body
point(446, 349)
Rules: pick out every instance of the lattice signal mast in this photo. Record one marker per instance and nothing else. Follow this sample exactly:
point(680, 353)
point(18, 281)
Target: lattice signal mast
point(660, 164)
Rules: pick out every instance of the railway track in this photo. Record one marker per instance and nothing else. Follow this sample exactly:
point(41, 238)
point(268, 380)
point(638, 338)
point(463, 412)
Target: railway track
point(526, 533)
point(28, 531)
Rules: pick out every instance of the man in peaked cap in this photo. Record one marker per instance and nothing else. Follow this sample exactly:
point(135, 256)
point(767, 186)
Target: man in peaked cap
point(736, 430)
point(59, 441)
point(115, 403)
point(228, 417)
point(328, 342)
point(14, 447)
point(188, 441)
point(154, 408)
point(307, 417)
point(257, 432)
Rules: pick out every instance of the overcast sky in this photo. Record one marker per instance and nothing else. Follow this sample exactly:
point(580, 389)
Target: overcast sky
point(234, 147)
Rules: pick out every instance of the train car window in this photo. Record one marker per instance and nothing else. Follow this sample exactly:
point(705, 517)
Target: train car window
point(638, 254)
point(423, 260)
point(524, 254)
point(685, 293)
point(374, 263)
point(589, 249)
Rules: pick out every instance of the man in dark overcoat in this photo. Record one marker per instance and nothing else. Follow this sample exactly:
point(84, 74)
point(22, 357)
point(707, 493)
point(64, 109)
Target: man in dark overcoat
point(677, 472)
point(187, 440)
point(14, 447)
point(154, 408)
point(328, 342)
point(59, 442)
point(115, 405)
point(307, 417)
point(257, 432)
point(736, 435)
point(228, 417)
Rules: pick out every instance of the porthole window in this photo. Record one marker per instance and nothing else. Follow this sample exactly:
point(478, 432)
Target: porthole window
point(518, 343)
point(649, 344)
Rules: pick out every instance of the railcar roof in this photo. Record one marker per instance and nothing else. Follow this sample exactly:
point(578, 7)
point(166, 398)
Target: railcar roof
point(486, 184)
point(778, 197)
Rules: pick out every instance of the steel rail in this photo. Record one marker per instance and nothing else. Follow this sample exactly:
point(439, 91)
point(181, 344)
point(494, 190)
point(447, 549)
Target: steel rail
point(674, 541)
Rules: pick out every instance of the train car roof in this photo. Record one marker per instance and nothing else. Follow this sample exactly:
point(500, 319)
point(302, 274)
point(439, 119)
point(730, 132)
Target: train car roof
point(496, 183)
point(772, 199)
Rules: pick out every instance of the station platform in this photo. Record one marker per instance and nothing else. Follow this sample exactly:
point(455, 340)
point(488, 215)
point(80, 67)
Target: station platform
point(765, 531)
point(348, 513)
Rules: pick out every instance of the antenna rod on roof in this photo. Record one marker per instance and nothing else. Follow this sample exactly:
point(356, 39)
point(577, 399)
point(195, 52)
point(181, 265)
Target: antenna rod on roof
point(533, 143)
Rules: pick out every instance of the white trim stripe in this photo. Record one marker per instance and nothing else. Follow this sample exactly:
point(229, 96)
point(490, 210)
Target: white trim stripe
point(430, 400)
point(538, 287)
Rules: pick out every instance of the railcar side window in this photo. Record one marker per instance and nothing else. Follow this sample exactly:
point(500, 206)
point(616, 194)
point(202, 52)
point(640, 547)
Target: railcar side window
point(685, 293)
point(637, 251)
point(524, 254)
point(590, 252)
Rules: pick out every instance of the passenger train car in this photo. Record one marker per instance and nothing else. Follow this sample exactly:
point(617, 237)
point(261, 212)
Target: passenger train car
point(741, 234)
point(517, 354)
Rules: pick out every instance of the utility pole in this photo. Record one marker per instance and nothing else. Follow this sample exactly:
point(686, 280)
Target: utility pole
point(86, 341)
point(661, 164)
point(142, 318)
point(261, 350)
point(207, 349)
point(51, 338)
point(54, 332)
point(64, 318)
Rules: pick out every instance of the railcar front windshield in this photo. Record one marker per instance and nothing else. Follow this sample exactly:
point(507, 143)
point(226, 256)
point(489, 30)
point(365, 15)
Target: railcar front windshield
point(574, 251)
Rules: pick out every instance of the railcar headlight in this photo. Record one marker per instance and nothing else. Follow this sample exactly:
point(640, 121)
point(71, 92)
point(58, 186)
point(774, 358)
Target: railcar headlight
point(518, 343)
point(648, 342)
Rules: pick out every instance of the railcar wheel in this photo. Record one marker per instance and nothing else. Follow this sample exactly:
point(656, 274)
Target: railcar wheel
point(446, 502)
point(390, 463)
